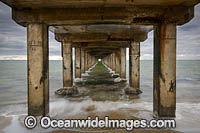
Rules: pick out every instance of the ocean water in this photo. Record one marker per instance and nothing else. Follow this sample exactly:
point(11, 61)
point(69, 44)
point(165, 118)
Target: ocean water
point(13, 94)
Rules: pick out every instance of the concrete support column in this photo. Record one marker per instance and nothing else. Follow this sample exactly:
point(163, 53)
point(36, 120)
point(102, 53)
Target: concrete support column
point(117, 61)
point(134, 65)
point(87, 58)
point(77, 62)
point(105, 60)
point(67, 64)
point(85, 61)
point(114, 64)
point(108, 60)
point(93, 60)
point(82, 61)
point(123, 63)
point(111, 61)
point(88, 61)
point(164, 82)
point(38, 69)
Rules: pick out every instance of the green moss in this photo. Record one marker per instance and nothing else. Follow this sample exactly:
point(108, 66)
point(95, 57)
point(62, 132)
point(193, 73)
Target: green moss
point(99, 75)
point(100, 70)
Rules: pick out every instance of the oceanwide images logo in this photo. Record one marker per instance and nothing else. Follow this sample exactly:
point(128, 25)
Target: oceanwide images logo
point(46, 122)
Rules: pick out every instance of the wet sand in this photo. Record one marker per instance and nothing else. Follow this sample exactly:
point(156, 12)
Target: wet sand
point(4, 122)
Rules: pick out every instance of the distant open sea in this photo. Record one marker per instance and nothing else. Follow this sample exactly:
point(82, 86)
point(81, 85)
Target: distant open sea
point(13, 90)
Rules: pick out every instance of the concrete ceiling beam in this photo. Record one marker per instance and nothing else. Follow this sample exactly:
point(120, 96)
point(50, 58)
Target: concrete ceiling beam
point(102, 44)
point(108, 15)
point(37, 4)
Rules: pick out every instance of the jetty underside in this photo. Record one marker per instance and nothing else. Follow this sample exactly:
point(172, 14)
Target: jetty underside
point(102, 29)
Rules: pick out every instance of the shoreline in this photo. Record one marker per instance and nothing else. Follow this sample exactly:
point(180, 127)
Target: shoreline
point(8, 124)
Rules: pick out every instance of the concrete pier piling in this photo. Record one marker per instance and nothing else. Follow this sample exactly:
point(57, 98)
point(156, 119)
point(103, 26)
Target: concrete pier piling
point(77, 62)
point(82, 61)
point(85, 61)
point(67, 64)
point(164, 70)
point(38, 69)
point(123, 63)
point(134, 69)
point(117, 62)
point(88, 61)
point(114, 62)
point(134, 65)
point(111, 61)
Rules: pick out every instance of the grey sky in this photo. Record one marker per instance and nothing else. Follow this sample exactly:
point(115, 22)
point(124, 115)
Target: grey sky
point(13, 39)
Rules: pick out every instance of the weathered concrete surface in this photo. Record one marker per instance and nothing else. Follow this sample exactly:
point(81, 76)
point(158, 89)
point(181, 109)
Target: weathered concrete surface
point(78, 37)
point(70, 91)
point(123, 63)
point(67, 64)
point(77, 62)
point(97, 3)
point(97, 49)
point(104, 44)
point(82, 61)
point(93, 60)
point(38, 69)
point(123, 14)
point(132, 91)
point(85, 61)
point(111, 61)
point(102, 32)
point(101, 40)
point(114, 62)
point(164, 83)
point(117, 54)
point(134, 65)
point(88, 61)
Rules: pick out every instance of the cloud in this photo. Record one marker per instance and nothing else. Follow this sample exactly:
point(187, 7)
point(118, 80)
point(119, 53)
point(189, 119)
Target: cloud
point(188, 40)
point(13, 39)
